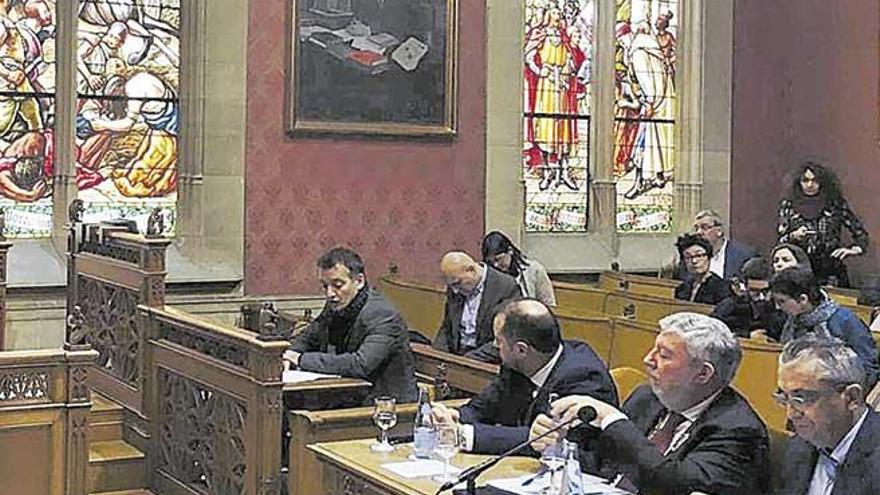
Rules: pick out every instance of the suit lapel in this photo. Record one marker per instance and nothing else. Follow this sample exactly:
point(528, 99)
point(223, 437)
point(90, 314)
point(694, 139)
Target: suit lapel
point(456, 308)
point(543, 394)
point(484, 311)
point(865, 442)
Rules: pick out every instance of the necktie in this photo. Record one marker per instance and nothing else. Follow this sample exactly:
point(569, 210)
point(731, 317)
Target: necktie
point(662, 436)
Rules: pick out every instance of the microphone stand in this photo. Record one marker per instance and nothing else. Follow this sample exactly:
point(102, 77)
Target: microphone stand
point(469, 475)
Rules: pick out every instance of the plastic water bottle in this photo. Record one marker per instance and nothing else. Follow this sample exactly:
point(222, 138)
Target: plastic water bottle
point(424, 431)
point(572, 481)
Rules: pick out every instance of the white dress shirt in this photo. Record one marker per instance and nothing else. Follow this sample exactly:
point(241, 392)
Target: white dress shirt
point(468, 324)
point(827, 465)
point(719, 256)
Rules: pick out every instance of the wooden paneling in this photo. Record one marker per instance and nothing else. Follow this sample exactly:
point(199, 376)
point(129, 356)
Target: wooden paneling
point(449, 372)
point(638, 284)
point(580, 297)
point(596, 330)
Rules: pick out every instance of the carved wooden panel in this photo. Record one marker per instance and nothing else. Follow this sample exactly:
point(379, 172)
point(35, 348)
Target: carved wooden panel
point(24, 386)
point(216, 348)
point(110, 326)
point(114, 251)
point(201, 436)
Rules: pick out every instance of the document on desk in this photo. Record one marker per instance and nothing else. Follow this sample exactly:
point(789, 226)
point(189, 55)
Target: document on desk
point(300, 376)
point(418, 469)
point(529, 485)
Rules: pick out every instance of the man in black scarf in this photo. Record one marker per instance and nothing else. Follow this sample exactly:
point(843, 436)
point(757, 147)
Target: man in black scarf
point(358, 334)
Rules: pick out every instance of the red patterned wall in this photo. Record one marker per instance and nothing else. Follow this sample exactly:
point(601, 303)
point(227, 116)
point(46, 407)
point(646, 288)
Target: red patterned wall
point(393, 201)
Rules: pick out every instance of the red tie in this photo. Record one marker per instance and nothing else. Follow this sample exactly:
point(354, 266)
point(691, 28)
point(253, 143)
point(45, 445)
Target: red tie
point(662, 437)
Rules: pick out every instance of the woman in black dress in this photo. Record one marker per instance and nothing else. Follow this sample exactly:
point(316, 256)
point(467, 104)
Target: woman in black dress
point(813, 216)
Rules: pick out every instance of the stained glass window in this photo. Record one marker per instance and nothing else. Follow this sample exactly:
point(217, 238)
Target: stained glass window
point(645, 119)
point(128, 112)
point(27, 115)
point(556, 118)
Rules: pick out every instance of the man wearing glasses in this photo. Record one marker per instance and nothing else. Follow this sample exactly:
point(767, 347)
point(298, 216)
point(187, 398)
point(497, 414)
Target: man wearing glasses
point(687, 431)
point(729, 255)
point(836, 449)
point(752, 313)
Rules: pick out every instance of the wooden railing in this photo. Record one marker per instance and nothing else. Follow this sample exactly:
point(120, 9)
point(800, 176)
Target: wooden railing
point(421, 304)
point(112, 273)
point(450, 374)
point(4, 256)
point(215, 406)
point(44, 406)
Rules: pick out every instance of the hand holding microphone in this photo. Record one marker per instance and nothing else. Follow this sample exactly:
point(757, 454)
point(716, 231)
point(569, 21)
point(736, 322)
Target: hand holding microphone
point(574, 409)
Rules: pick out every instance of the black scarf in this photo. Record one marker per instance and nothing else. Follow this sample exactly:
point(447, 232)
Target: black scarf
point(339, 322)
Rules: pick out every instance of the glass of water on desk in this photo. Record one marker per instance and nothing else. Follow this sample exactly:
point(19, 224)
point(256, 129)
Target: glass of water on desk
point(447, 445)
point(553, 458)
point(385, 417)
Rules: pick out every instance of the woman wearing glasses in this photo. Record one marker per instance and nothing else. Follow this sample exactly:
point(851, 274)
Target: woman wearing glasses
point(699, 284)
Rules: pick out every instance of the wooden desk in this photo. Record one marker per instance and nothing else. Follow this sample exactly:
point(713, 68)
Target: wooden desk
point(350, 467)
point(325, 394)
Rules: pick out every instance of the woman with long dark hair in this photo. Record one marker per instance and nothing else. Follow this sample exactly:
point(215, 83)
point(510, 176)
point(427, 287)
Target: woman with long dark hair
point(500, 253)
point(813, 215)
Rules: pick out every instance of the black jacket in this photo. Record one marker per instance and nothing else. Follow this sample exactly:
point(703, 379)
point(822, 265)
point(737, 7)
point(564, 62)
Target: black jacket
point(714, 290)
point(376, 348)
point(724, 452)
point(858, 475)
point(504, 411)
point(742, 316)
point(498, 287)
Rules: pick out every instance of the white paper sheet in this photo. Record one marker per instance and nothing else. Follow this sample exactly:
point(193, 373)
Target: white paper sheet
point(418, 469)
point(299, 376)
point(593, 485)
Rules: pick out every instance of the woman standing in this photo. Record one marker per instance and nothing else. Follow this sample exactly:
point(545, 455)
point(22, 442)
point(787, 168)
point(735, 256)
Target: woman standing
point(500, 253)
point(813, 216)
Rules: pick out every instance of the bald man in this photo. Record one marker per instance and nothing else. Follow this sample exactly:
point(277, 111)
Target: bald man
point(536, 366)
point(473, 291)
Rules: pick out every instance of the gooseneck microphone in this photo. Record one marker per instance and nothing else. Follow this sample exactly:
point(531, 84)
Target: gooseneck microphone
point(584, 416)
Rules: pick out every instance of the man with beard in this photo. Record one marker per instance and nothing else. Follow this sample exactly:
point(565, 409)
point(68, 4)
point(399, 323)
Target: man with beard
point(689, 430)
point(754, 310)
point(358, 334)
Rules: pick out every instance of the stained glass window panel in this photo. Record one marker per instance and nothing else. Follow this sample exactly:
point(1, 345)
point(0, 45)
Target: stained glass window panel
point(556, 118)
point(645, 119)
point(128, 111)
point(27, 116)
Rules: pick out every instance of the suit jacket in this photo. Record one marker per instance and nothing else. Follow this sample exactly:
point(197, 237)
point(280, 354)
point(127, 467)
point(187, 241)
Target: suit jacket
point(504, 411)
point(724, 452)
point(714, 290)
point(858, 475)
point(735, 256)
point(498, 287)
point(376, 348)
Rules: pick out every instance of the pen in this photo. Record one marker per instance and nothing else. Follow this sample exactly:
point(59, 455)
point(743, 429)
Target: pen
point(536, 476)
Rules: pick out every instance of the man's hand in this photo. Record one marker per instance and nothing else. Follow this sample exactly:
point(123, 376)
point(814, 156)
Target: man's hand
point(800, 233)
point(542, 425)
point(567, 408)
point(443, 415)
point(291, 360)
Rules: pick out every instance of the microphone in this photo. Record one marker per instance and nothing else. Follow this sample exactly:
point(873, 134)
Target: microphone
point(584, 416)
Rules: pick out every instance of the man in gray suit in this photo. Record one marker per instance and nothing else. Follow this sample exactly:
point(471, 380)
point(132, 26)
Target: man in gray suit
point(358, 334)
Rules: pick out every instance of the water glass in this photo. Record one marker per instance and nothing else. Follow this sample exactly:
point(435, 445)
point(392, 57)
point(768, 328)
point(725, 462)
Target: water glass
point(385, 417)
point(447, 445)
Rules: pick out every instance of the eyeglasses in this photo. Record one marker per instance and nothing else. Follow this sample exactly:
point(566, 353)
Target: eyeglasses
point(804, 398)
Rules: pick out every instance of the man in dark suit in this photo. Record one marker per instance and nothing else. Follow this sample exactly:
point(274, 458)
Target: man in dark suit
point(473, 290)
point(537, 365)
point(728, 255)
point(358, 334)
point(687, 431)
point(837, 447)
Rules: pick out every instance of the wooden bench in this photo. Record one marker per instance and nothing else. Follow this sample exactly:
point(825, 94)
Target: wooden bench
point(580, 297)
point(450, 373)
point(649, 309)
point(308, 427)
point(638, 284)
point(421, 305)
point(598, 331)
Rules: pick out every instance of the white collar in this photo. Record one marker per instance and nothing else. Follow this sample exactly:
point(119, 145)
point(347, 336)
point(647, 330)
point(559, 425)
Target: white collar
point(693, 413)
point(720, 251)
point(843, 446)
point(540, 376)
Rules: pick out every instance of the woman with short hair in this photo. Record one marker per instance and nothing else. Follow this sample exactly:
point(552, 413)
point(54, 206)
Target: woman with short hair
point(699, 284)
